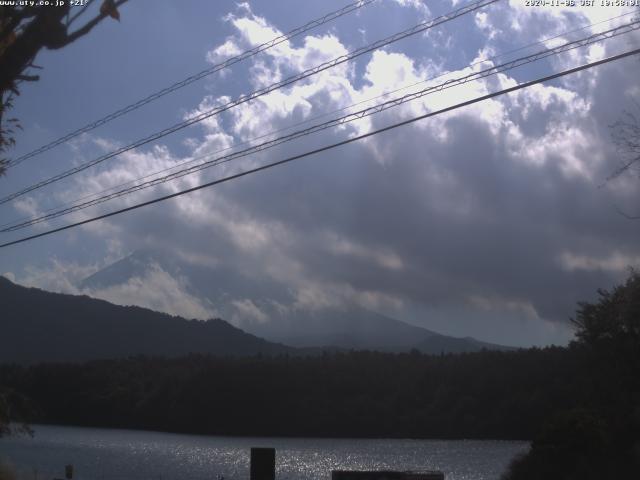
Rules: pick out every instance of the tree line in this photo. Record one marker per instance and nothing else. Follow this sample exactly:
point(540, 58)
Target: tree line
point(503, 395)
point(580, 405)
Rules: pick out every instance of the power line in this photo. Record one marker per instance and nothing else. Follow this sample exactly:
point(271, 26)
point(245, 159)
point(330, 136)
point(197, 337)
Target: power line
point(634, 25)
point(608, 34)
point(193, 78)
point(258, 93)
point(8, 226)
point(332, 146)
point(61, 210)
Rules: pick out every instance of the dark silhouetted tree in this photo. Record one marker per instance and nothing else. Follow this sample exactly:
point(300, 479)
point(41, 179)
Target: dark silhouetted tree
point(625, 134)
point(614, 321)
point(15, 408)
point(599, 438)
point(24, 31)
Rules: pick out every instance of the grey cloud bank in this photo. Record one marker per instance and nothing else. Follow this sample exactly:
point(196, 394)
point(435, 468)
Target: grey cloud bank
point(488, 222)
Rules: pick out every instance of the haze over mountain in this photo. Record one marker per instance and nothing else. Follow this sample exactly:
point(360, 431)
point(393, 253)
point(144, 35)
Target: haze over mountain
point(40, 326)
point(271, 311)
point(43, 326)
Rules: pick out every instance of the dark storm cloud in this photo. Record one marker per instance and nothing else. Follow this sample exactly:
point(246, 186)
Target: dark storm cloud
point(516, 220)
point(492, 211)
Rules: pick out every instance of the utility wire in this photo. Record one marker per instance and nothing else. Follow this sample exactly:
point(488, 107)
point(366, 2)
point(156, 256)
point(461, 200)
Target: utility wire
point(332, 146)
point(258, 93)
point(193, 78)
point(304, 122)
point(32, 220)
point(453, 82)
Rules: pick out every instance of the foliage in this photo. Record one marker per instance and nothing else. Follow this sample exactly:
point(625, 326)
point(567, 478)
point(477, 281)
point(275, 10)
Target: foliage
point(580, 404)
point(15, 409)
point(614, 320)
point(25, 29)
point(600, 440)
point(357, 394)
point(7, 129)
point(45, 326)
point(625, 133)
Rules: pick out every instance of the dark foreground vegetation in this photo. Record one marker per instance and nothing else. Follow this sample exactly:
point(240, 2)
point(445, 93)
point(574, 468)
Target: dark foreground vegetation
point(42, 326)
point(480, 395)
point(580, 404)
point(599, 437)
point(39, 326)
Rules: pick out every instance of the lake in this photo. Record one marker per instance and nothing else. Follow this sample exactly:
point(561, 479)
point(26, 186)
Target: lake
point(104, 454)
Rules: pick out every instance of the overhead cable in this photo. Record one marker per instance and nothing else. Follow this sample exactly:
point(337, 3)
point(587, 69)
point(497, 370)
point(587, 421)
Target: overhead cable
point(195, 159)
point(421, 27)
point(193, 78)
point(328, 147)
point(452, 82)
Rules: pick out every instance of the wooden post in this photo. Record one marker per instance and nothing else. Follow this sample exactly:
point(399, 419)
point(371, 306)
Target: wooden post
point(263, 464)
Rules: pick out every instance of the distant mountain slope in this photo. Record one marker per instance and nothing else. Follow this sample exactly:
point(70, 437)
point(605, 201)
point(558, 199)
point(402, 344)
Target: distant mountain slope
point(361, 329)
point(346, 327)
point(437, 344)
point(41, 326)
point(283, 319)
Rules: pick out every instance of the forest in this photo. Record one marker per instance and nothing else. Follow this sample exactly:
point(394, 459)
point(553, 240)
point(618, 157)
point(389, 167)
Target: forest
point(356, 394)
point(579, 405)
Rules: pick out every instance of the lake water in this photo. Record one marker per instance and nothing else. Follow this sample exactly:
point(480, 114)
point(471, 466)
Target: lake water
point(103, 454)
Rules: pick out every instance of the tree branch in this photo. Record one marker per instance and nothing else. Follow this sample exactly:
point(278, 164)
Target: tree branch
point(625, 134)
point(626, 215)
point(83, 9)
point(88, 26)
point(23, 33)
point(28, 78)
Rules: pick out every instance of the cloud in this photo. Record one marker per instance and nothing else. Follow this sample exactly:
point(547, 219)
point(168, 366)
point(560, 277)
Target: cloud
point(522, 12)
point(418, 5)
point(486, 220)
point(247, 310)
point(10, 276)
point(155, 288)
point(342, 246)
point(482, 22)
point(27, 206)
point(477, 204)
point(222, 52)
point(616, 262)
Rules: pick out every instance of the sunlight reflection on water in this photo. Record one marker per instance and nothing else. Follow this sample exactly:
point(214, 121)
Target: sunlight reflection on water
point(102, 454)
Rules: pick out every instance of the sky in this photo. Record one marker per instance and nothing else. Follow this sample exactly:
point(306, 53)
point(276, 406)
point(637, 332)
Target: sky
point(489, 221)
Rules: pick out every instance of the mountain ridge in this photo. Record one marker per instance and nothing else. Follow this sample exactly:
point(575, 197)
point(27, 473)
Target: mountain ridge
point(344, 327)
point(41, 326)
point(44, 326)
